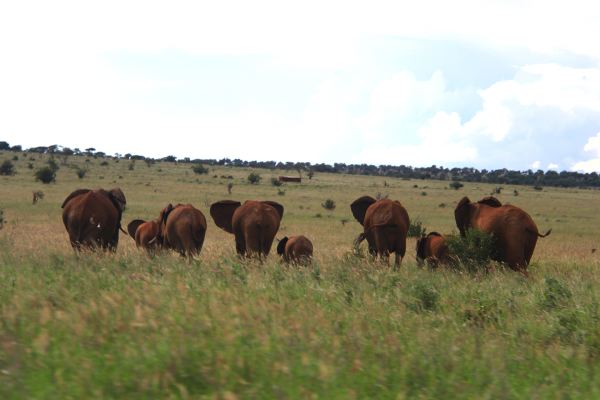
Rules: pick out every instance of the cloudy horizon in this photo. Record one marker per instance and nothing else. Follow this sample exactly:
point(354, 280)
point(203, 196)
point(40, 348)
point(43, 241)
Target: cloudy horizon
point(497, 85)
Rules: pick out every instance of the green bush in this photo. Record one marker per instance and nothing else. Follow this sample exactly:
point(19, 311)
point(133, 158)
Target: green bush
point(81, 172)
point(200, 169)
point(474, 252)
point(45, 175)
point(328, 205)
point(455, 185)
point(254, 178)
point(53, 165)
point(416, 228)
point(275, 182)
point(7, 168)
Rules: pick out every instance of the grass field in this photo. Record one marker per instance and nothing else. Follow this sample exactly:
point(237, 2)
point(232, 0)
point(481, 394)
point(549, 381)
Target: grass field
point(128, 326)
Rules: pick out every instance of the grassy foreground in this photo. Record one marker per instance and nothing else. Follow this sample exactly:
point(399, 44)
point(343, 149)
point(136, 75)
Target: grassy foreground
point(128, 326)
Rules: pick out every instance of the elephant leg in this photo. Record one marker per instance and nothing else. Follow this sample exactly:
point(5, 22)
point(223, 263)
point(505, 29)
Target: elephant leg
point(240, 245)
point(381, 244)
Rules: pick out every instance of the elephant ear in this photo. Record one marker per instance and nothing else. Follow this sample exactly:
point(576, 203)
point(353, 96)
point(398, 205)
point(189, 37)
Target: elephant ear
point(490, 201)
point(222, 213)
point(461, 214)
point(133, 226)
point(76, 193)
point(434, 234)
point(421, 243)
point(281, 246)
point(118, 197)
point(276, 206)
point(164, 214)
point(360, 206)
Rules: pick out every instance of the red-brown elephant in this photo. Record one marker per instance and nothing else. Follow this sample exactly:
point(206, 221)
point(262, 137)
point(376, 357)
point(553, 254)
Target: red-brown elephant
point(295, 249)
point(145, 234)
point(253, 223)
point(515, 234)
point(93, 218)
point(385, 225)
point(182, 228)
point(433, 250)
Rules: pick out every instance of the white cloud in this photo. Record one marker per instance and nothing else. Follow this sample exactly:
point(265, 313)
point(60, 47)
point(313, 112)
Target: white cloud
point(536, 165)
point(592, 165)
point(553, 166)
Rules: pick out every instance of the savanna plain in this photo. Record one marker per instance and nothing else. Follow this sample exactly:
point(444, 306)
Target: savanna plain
point(126, 325)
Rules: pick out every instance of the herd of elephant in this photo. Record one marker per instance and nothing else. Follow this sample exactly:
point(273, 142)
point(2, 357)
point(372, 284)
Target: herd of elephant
point(93, 220)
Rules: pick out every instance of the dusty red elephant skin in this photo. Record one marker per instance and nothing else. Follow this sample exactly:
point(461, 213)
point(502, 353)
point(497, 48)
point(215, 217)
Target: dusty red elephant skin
point(295, 249)
point(93, 218)
point(385, 224)
point(514, 231)
point(254, 224)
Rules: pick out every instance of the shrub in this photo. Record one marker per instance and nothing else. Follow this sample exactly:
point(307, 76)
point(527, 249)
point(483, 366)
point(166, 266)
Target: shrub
point(30, 165)
point(37, 196)
point(104, 163)
point(199, 169)
point(7, 168)
point(131, 166)
point(45, 175)
point(81, 172)
point(310, 174)
point(538, 188)
point(15, 158)
point(53, 165)
point(328, 204)
point(473, 252)
point(229, 187)
point(254, 178)
point(1, 218)
point(423, 193)
point(455, 185)
point(275, 182)
point(280, 192)
point(416, 228)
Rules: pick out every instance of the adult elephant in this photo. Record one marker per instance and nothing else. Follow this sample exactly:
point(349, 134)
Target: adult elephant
point(182, 228)
point(515, 234)
point(432, 249)
point(254, 224)
point(145, 233)
point(385, 224)
point(295, 249)
point(93, 218)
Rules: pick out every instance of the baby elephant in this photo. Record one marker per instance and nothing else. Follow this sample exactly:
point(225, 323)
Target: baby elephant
point(145, 234)
point(296, 249)
point(433, 250)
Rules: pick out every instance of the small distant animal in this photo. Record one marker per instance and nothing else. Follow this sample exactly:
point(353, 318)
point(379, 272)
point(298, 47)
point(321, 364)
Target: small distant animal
point(295, 249)
point(433, 250)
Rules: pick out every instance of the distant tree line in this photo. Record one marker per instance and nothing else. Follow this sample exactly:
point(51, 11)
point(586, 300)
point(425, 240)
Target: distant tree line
point(504, 176)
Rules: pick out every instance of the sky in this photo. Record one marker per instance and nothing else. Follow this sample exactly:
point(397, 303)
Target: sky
point(484, 84)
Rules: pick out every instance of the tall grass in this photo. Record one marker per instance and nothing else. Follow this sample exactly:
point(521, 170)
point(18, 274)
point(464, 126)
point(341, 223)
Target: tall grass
point(127, 325)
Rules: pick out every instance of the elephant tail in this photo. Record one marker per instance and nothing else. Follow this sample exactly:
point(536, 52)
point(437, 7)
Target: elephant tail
point(539, 234)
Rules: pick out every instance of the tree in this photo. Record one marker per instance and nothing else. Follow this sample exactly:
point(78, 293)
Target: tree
point(4, 146)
